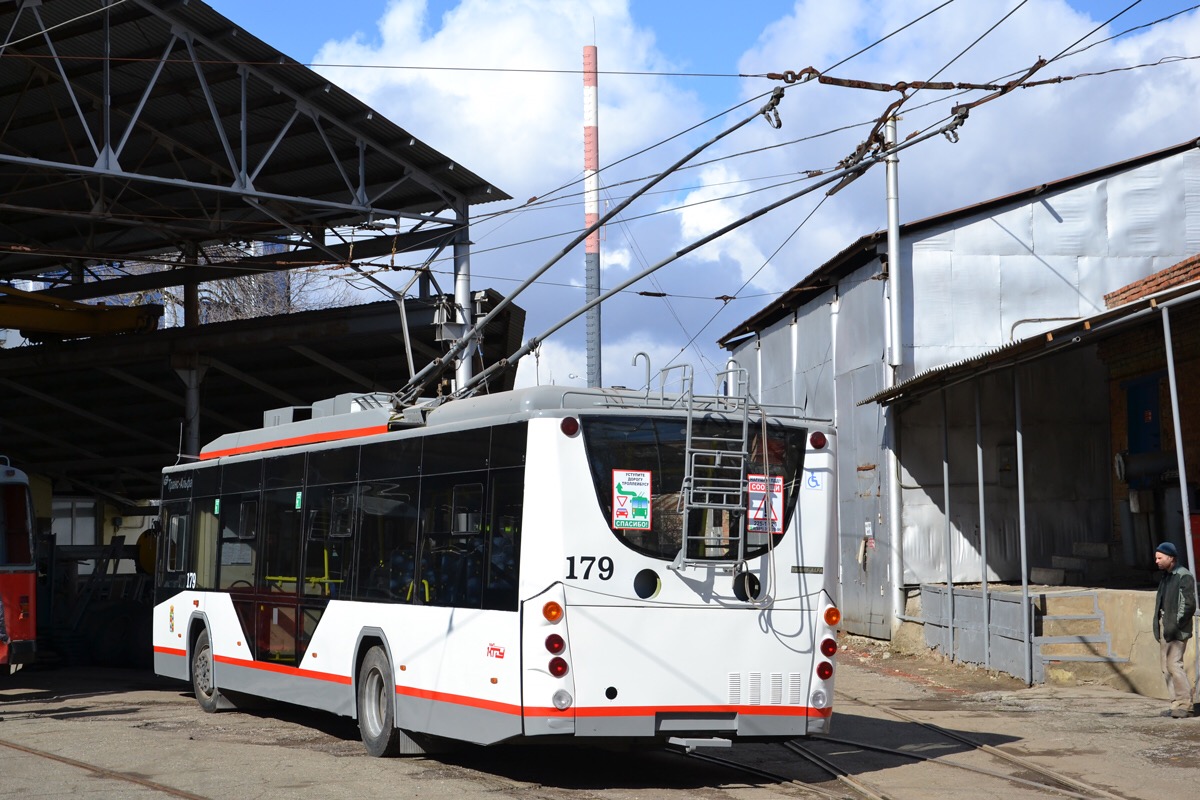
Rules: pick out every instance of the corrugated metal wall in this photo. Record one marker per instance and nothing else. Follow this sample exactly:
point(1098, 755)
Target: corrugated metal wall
point(972, 285)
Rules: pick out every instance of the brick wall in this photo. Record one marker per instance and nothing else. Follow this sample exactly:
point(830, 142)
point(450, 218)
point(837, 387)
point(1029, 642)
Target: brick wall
point(1185, 271)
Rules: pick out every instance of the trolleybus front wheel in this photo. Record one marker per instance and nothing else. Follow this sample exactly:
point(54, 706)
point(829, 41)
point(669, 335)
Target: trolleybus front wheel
point(203, 685)
point(377, 704)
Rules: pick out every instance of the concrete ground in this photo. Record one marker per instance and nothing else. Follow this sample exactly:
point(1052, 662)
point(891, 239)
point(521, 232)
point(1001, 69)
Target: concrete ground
point(114, 734)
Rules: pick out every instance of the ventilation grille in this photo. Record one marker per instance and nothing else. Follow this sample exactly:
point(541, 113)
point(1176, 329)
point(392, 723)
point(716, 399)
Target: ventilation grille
point(795, 688)
point(781, 688)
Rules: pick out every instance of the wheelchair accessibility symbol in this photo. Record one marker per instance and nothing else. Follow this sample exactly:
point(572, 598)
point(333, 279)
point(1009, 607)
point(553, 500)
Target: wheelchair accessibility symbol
point(813, 482)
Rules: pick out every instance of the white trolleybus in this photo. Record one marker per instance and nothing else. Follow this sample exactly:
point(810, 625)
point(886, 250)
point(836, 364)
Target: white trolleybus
point(545, 564)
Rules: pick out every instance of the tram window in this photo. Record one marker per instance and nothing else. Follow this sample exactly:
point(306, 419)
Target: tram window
point(281, 540)
point(508, 445)
point(398, 458)
point(205, 534)
point(504, 539)
point(283, 471)
point(461, 451)
point(15, 524)
point(451, 561)
point(328, 550)
point(239, 533)
point(334, 465)
point(387, 542)
point(242, 476)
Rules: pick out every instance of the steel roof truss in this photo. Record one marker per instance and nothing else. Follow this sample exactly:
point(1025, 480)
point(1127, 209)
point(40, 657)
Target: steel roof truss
point(137, 112)
point(66, 81)
point(421, 176)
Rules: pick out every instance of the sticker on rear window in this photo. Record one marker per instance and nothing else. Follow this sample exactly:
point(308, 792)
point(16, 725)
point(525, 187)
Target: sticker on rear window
point(631, 499)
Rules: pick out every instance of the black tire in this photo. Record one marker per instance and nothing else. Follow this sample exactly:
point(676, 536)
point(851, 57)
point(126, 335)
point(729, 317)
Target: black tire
point(203, 685)
point(377, 704)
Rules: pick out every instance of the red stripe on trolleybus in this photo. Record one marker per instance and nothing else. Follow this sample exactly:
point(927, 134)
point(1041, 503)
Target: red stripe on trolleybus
point(312, 438)
point(650, 711)
point(283, 670)
point(170, 651)
point(459, 699)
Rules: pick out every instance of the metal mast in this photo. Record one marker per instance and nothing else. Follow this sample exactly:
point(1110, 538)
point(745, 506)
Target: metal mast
point(591, 211)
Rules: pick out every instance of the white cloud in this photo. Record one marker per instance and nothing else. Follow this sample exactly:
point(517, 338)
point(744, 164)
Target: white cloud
point(523, 131)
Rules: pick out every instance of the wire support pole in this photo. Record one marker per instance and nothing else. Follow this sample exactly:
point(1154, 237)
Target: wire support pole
point(847, 173)
point(1183, 483)
point(413, 388)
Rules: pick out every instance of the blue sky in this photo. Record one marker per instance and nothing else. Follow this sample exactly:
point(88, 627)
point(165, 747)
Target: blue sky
point(522, 131)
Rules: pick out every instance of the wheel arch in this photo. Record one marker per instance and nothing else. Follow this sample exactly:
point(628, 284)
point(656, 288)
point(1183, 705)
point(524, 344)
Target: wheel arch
point(368, 638)
point(197, 624)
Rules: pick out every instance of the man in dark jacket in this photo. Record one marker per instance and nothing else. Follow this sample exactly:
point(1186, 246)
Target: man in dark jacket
point(1174, 606)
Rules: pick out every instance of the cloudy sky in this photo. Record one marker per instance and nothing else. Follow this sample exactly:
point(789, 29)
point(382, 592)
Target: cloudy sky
point(495, 85)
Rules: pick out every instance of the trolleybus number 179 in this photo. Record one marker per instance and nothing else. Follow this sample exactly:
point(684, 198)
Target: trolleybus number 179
point(605, 564)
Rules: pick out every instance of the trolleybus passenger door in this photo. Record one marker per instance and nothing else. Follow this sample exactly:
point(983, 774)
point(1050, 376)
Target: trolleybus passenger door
point(328, 555)
point(275, 634)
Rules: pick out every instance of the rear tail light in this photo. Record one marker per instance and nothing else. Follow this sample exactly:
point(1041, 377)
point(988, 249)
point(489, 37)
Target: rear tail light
point(555, 644)
point(824, 670)
point(832, 616)
point(558, 667)
point(818, 440)
point(552, 611)
point(828, 648)
point(569, 426)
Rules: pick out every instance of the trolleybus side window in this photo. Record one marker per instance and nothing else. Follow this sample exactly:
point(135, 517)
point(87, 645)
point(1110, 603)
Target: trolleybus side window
point(399, 458)
point(504, 538)
point(281, 540)
point(239, 541)
point(387, 533)
point(175, 545)
point(328, 550)
point(205, 532)
point(452, 543)
point(282, 471)
point(461, 451)
point(333, 465)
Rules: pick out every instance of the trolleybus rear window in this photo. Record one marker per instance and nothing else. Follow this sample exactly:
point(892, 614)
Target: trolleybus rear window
point(656, 446)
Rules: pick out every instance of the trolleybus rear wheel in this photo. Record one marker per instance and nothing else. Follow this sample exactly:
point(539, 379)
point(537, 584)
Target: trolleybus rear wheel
point(376, 704)
point(203, 685)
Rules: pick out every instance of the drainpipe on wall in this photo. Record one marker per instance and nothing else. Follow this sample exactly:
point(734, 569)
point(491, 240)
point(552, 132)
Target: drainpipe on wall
point(895, 360)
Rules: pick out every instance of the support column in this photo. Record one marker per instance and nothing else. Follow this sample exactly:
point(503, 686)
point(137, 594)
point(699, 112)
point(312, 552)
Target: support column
point(1182, 468)
point(191, 372)
point(465, 369)
point(891, 413)
point(983, 562)
point(949, 525)
point(1026, 632)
